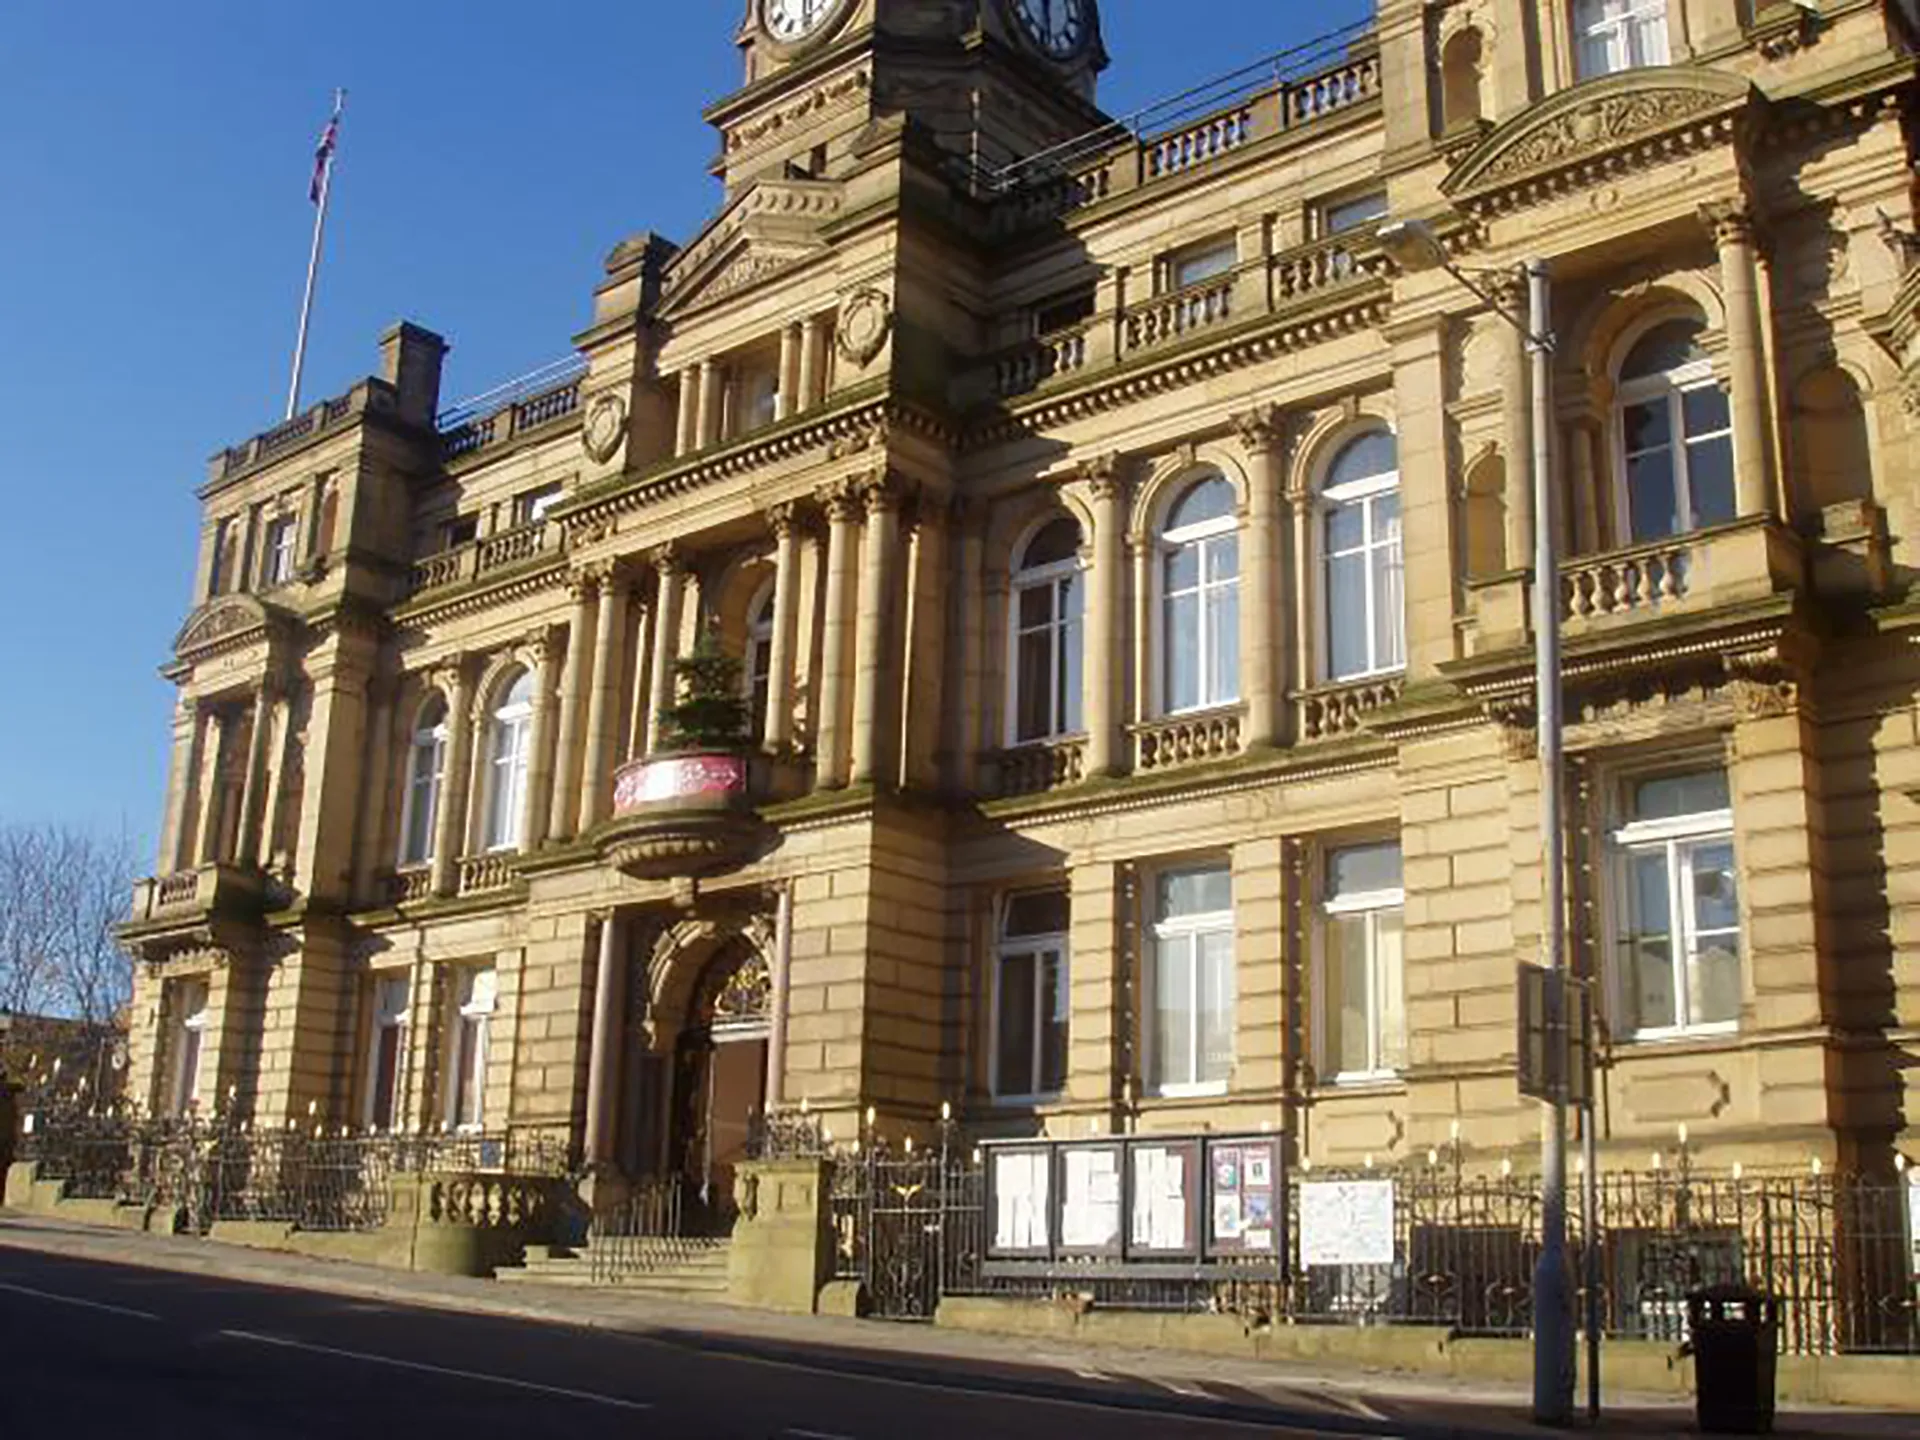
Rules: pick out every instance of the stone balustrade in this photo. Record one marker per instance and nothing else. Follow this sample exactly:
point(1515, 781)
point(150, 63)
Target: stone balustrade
point(1186, 740)
point(188, 894)
point(479, 558)
point(1168, 317)
point(1036, 769)
point(413, 883)
point(1197, 144)
point(490, 1202)
point(313, 423)
point(512, 418)
point(482, 874)
point(1038, 361)
point(1625, 581)
point(1325, 265)
point(450, 567)
point(1329, 712)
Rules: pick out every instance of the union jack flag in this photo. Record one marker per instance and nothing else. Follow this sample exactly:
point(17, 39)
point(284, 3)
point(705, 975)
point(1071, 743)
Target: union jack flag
point(323, 153)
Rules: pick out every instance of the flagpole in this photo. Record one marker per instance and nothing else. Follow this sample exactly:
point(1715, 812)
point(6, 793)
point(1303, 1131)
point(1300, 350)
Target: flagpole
point(313, 266)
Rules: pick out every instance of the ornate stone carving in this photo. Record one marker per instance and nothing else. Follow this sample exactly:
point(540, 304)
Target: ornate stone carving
point(783, 518)
point(826, 97)
point(843, 502)
point(1729, 221)
point(1601, 122)
point(667, 559)
point(1761, 684)
point(605, 430)
point(874, 437)
point(1519, 734)
point(866, 319)
point(1105, 476)
point(1260, 430)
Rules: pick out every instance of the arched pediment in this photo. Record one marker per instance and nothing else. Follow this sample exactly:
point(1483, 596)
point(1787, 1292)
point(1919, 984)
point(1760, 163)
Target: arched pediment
point(226, 620)
point(1610, 119)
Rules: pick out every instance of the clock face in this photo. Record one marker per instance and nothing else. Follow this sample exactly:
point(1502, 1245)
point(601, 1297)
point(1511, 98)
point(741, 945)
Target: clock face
point(1058, 27)
point(790, 20)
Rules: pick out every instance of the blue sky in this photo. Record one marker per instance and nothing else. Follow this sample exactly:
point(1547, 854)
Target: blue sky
point(154, 160)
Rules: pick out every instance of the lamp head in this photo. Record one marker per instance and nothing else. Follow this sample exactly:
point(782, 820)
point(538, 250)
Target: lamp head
point(1412, 245)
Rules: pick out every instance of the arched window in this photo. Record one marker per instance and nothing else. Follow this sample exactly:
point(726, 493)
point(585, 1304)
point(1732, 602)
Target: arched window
point(508, 729)
point(1047, 635)
point(1614, 35)
point(426, 770)
point(1200, 599)
point(1365, 586)
point(1676, 436)
point(758, 672)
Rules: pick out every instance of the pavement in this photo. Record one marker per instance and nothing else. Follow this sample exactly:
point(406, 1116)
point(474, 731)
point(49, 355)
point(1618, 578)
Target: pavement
point(101, 1328)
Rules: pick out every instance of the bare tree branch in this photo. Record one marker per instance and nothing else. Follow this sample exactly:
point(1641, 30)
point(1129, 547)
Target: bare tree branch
point(62, 891)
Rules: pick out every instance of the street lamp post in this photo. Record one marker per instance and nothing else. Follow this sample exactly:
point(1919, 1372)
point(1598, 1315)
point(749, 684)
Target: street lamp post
point(1414, 247)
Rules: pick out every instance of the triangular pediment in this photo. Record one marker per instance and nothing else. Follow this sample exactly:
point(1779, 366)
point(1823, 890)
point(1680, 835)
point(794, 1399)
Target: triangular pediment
point(223, 621)
point(1609, 119)
point(764, 230)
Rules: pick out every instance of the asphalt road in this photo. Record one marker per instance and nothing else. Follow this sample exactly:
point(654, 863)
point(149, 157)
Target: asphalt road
point(92, 1349)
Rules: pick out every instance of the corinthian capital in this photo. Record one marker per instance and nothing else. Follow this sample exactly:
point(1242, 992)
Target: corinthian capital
point(1260, 430)
point(842, 502)
point(667, 559)
point(1105, 476)
point(1730, 221)
point(783, 519)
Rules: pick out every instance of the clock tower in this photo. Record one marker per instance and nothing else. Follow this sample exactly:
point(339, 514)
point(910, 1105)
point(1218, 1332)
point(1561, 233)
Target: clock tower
point(990, 81)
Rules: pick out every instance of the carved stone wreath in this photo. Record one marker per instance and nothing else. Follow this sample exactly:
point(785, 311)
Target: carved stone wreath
point(605, 431)
point(866, 319)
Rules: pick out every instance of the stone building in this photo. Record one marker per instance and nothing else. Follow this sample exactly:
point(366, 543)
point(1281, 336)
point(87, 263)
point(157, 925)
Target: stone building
point(1129, 568)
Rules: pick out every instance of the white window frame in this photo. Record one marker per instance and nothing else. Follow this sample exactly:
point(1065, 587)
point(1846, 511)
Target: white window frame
point(1067, 643)
point(1371, 905)
point(476, 992)
point(189, 1025)
point(384, 1019)
point(1039, 946)
point(509, 753)
point(1623, 35)
point(535, 504)
point(1672, 387)
point(1363, 492)
point(756, 676)
point(1677, 836)
point(1203, 536)
point(1185, 931)
point(425, 738)
point(1352, 214)
point(279, 550)
point(1202, 262)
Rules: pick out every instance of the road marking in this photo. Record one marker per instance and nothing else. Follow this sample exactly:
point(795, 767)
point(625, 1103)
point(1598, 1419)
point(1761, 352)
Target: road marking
point(559, 1391)
point(1177, 1388)
point(76, 1300)
point(808, 1435)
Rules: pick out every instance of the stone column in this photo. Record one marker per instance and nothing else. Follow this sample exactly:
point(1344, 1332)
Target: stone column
point(573, 698)
point(1588, 513)
point(963, 739)
point(450, 824)
point(787, 398)
point(375, 803)
point(180, 785)
point(813, 362)
point(1146, 659)
point(536, 817)
point(1106, 624)
point(875, 631)
point(686, 434)
point(1516, 421)
point(1260, 432)
point(1732, 227)
point(254, 784)
point(639, 702)
point(778, 721)
point(213, 736)
point(278, 764)
point(924, 676)
point(669, 594)
point(711, 397)
point(603, 1059)
point(830, 743)
point(1301, 565)
point(596, 778)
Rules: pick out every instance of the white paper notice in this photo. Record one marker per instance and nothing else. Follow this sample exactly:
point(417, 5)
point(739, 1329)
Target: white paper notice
point(1020, 1194)
point(1346, 1222)
point(1159, 1200)
point(1090, 1200)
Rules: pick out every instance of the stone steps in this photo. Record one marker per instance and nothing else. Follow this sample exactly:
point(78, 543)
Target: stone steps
point(668, 1269)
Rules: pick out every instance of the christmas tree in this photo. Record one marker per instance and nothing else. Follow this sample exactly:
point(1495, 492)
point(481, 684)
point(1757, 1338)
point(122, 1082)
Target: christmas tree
point(709, 711)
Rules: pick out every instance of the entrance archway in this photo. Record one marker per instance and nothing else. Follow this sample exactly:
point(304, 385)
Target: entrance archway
point(720, 1077)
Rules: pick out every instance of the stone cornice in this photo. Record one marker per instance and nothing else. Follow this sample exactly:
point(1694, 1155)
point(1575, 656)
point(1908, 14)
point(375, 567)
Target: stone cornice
point(483, 595)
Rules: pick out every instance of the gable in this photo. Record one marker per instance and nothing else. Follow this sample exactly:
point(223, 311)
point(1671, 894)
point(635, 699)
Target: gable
point(765, 230)
point(1617, 122)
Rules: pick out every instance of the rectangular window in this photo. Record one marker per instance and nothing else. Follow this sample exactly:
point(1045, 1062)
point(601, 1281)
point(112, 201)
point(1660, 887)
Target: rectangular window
point(461, 530)
point(278, 551)
point(386, 1047)
point(1677, 908)
point(1363, 984)
point(1199, 263)
point(466, 1088)
point(1190, 1033)
point(189, 1045)
point(756, 398)
point(533, 506)
point(1359, 212)
point(1614, 35)
point(1030, 997)
point(1063, 312)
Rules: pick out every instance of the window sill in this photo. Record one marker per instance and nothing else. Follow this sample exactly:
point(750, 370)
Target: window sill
point(1027, 1102)
point(1208, 1090)
point(1362, 1080)
point(1709, 1037)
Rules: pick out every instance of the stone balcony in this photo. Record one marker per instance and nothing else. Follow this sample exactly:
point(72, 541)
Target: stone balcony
point(507, 550)
point(1634, 605)
point(685, 815)
point(197, 906)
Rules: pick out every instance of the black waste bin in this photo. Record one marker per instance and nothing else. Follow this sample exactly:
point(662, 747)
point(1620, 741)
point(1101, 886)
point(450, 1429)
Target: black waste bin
point(1736, 1350)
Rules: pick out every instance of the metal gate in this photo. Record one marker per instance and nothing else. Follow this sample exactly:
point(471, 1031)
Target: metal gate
point(908, 1226)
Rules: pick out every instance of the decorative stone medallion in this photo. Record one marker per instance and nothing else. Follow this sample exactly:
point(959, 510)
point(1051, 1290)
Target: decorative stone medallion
point(866, 319)
point(605, 431)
